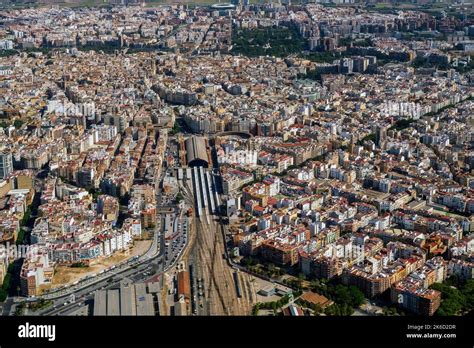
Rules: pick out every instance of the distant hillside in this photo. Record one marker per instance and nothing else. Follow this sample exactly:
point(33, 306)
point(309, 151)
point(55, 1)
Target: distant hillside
point(5, 4)
point(39, 3)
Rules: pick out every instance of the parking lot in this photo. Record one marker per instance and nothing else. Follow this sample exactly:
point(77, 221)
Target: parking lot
point(175, 245)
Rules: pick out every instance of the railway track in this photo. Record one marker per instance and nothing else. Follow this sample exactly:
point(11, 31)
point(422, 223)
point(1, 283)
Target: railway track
point(206, 251)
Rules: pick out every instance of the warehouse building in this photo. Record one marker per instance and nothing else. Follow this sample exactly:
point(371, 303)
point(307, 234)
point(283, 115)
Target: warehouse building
point(129, 300)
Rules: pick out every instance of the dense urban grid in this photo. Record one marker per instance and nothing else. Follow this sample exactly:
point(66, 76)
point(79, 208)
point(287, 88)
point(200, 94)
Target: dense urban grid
point(237, 159)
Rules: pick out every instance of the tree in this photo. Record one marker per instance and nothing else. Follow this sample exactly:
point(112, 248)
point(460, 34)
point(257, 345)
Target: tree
point(342, 295)
point(94, 192)
point(345, 297)
point(402, 124)
point(6, 281)
point(357, 296)
point(339, 310)
point(26, 217)
point(317, 309)
point(179, 197)
point(450, 307)
point(8, 53)
point(247, 261)
point(468, 291)
point(176, 128)
point(17, 124)
point(453, 300)
point(256, 308)
point(125, 198)
point(3, 295)
point(332, 310)
point(21, 237)
point(19, 311)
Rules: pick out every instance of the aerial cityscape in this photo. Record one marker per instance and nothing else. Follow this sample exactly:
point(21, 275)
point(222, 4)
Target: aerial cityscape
point(253, 158)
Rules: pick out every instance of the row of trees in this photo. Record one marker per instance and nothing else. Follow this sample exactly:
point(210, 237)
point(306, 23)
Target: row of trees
point(17, 124)
point(4, 288)
point(295, 283)
point(6, 283)
point(20, 309)
point(42, 303)
point(402, 124)
point(25, 222)
point(79, 265)
point(444, 108)
point(274, 305)
point(8, 53)
point(269, 272)
point(337, 309)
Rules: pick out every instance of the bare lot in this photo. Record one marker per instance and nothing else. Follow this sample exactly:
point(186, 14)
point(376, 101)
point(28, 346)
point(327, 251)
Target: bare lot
point(64, 275)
